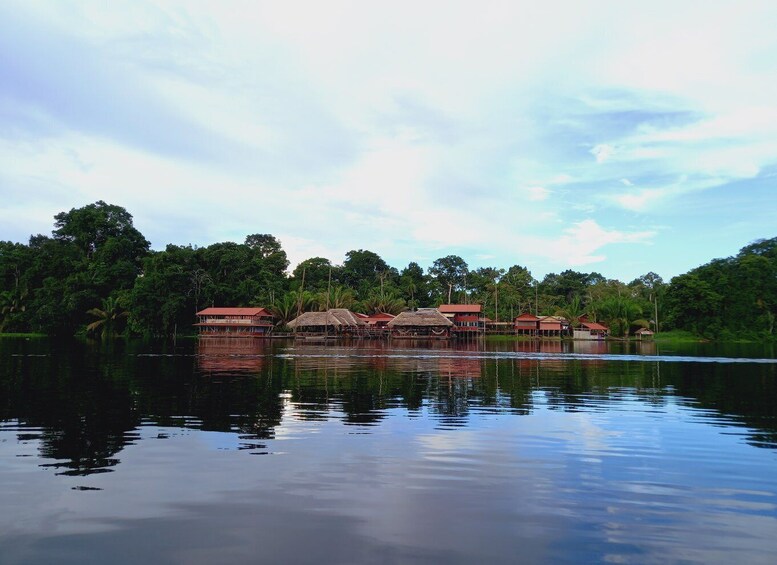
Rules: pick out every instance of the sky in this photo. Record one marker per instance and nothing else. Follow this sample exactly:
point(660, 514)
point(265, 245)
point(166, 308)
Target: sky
point(611, 136)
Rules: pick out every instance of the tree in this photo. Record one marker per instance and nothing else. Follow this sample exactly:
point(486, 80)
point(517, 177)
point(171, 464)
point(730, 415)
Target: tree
point(693, 304)
point(620, 313)
point(94, 225)
point(109, 317)
point(413, 286)
point(383, 301)
point(362, 266)
point(317, 273)
point(450, 275)
point(334, 297)
point(572, 311)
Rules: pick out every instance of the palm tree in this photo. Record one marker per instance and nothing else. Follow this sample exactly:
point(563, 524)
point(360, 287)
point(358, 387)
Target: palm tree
point(108, 318)
point(11, 302)
point(285, 309)
point(384, 301)
point(335, 297)
point(572, 311)
point(620, 312)
point(292, 304)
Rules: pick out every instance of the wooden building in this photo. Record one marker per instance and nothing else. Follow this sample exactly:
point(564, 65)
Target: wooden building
point(526, 324)
point(552, 326)
point(335, 322)
point(466, 318)
point(377, 320)
point(377, 324)
point(644, 333)
point(424, 323)
point(590, 330)
point(234, 322)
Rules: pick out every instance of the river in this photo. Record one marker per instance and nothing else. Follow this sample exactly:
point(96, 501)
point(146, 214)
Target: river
point(281, 452)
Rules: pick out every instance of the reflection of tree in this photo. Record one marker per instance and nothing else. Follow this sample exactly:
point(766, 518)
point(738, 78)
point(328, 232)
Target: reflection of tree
point(744, 392)
point(84, 409)
point(83, 402)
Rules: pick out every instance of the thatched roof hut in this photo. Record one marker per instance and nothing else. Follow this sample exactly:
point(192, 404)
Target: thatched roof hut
point(424, 322)
point(421, 318)
point(337, 318)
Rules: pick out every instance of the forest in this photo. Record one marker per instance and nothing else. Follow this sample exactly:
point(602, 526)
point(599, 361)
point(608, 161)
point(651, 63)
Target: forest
point(97, 275)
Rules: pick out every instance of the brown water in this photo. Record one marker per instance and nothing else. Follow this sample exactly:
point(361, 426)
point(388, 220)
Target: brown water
point(276, 452)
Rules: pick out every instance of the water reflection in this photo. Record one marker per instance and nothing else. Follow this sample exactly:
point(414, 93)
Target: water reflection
point(550, 450)
point(82, 405)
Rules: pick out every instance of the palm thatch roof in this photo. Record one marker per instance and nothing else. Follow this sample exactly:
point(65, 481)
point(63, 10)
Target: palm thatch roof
point(423, 317)
point(334, 317)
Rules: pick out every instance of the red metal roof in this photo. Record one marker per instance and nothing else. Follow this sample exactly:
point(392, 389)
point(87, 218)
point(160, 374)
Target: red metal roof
point(527, 316)
point(234, 312)
point(460, 308)
point(381, 316)
point(594, 326)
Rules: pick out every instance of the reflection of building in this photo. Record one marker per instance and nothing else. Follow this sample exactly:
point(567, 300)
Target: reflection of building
point(596, 347)
point(423, 323)
point(234, 322)
point(459, 366)
point(466, 318)
point(230, 355)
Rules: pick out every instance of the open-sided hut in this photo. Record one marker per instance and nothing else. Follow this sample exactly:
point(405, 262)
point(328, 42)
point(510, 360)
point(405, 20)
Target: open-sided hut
point(333, 322)
point(644, 333)
point(423, 323)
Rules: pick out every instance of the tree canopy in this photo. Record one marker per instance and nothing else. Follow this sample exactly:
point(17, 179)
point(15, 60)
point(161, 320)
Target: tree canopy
point(96, 271)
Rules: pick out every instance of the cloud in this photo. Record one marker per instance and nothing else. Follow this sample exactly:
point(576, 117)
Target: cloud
point(602, 152)
point(537, 193)
point(360, 127)
point(580, 244)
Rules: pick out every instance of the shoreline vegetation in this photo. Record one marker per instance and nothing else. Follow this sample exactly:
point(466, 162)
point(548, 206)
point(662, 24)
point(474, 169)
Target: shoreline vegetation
point(672, 336)
point(96, 276)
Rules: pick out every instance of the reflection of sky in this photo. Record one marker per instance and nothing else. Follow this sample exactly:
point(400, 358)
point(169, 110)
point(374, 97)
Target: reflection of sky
point(617, 480)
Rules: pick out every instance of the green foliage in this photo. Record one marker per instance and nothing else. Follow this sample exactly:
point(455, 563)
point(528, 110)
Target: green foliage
point(728, 298)
point(383, 301)
point(96, 271)
point(109, 318)
point(449, 275)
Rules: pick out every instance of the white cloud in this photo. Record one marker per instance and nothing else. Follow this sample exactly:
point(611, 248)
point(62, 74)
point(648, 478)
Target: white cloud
point(603, 152)
point(537, 193)
point(359, 126)
point(582, 242)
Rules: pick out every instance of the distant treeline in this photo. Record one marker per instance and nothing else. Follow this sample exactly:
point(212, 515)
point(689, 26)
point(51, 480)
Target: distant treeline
point(96, 274)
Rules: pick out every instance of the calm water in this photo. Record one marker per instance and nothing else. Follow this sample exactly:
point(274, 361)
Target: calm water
point(280, 453)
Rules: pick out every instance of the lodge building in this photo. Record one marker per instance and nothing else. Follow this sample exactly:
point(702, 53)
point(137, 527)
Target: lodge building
point(234, 322)
point(467, 319)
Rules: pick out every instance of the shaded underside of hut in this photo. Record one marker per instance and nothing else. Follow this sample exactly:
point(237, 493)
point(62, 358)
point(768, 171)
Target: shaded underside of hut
point(336, 321)
point(424, 322)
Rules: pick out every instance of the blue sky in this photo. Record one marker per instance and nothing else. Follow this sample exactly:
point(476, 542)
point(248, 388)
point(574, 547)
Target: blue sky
point(618, 137)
